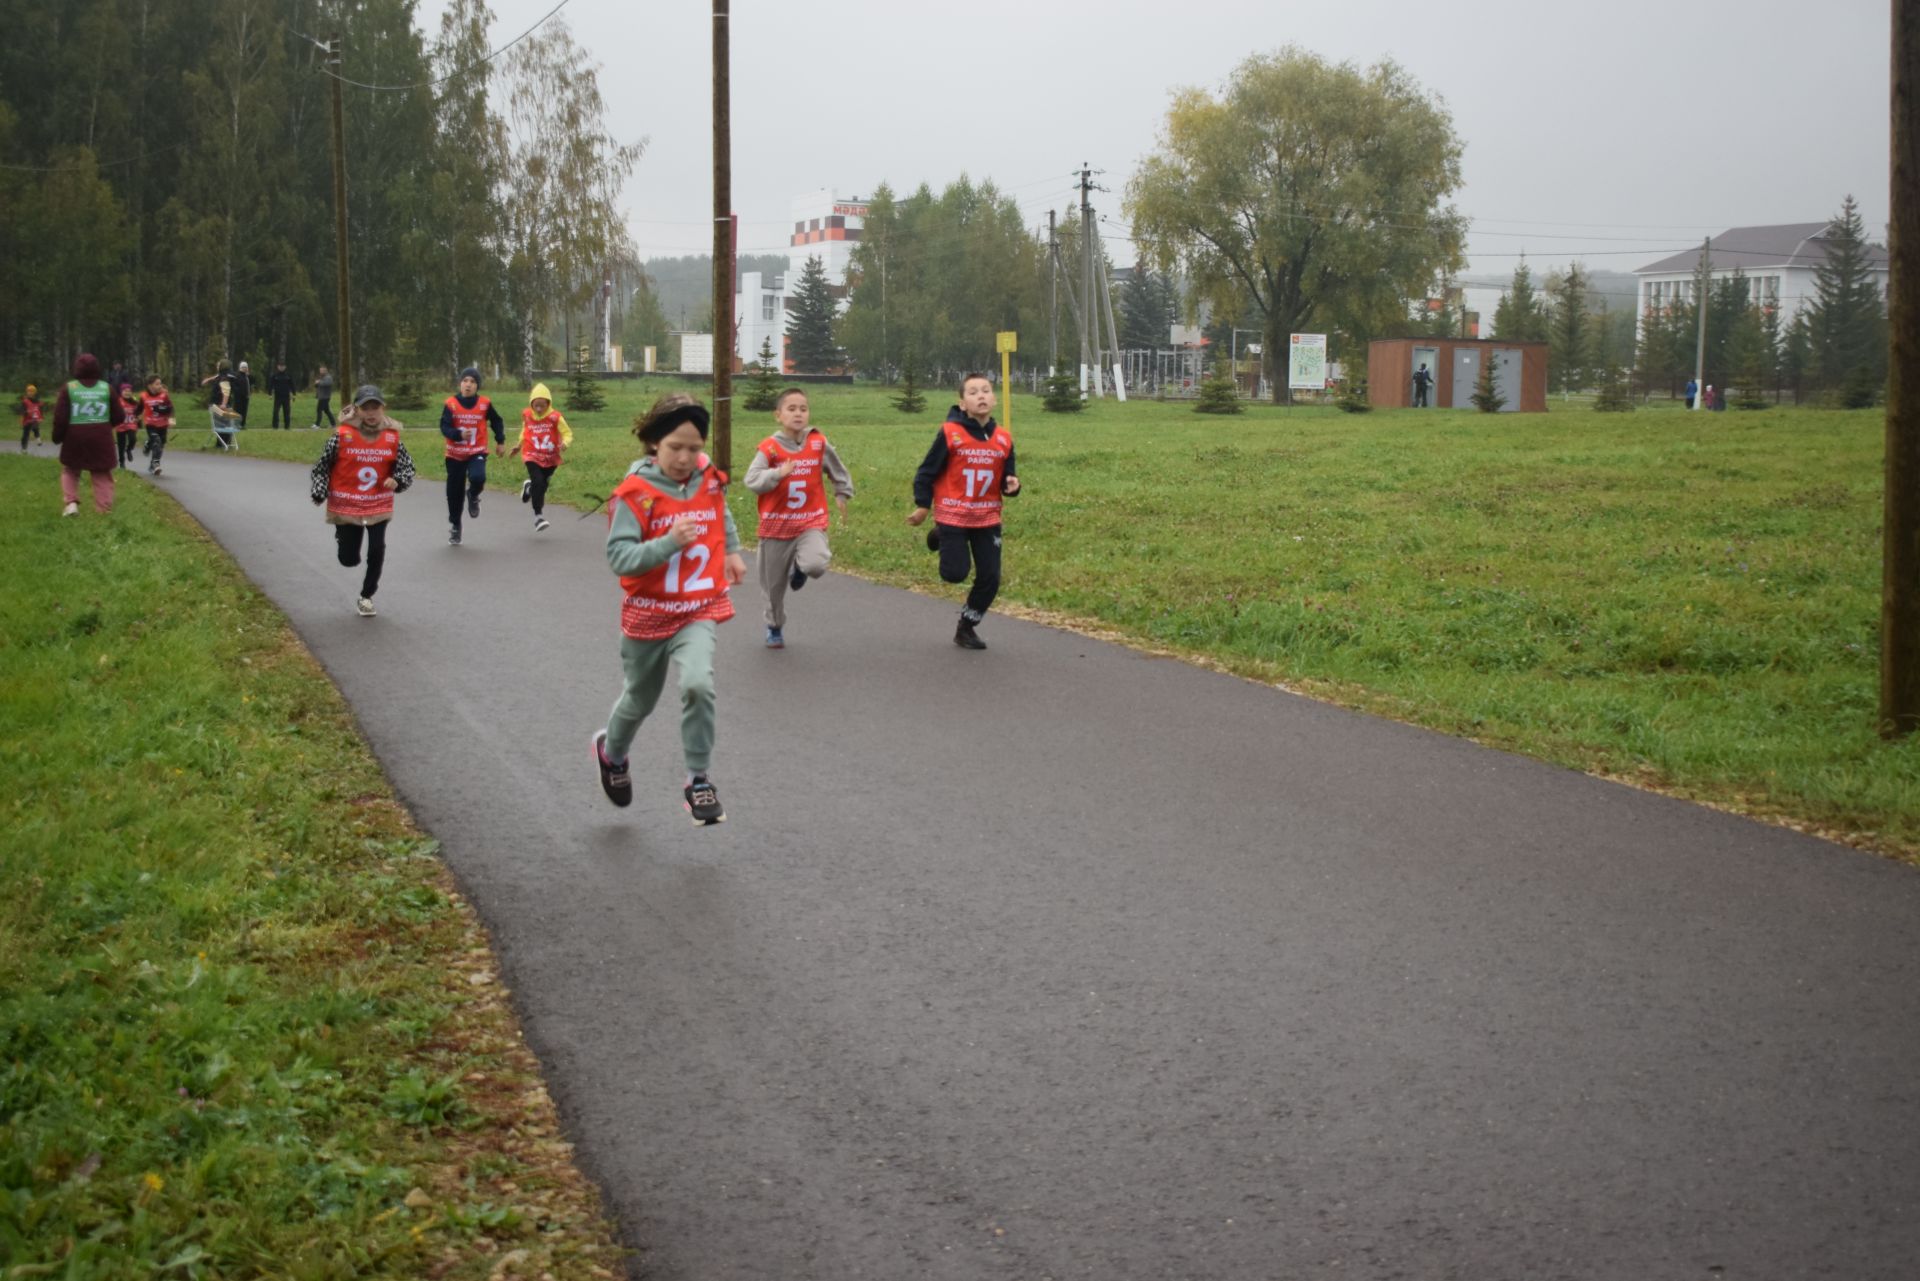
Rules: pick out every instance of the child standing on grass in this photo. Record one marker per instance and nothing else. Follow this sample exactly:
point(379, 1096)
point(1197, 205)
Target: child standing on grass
point(790, 472)
point(31, 411)
point(362, 467)
point(544, 436)
point(128, 428)
point(964, 481)
point(673, 543)
point(156, 415)
point(465, 421)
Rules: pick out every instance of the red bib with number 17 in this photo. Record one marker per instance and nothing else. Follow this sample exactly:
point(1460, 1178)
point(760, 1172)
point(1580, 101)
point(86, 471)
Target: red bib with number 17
point(692, 584)
point(357, 487)
point(967, 493)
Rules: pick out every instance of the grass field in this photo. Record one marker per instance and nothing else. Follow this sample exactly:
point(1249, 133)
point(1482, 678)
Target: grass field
point(1689, 602)
point(247, 1026)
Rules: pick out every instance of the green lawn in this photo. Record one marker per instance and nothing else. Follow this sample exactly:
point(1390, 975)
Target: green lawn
point(1687, 601)
point(247, 1027)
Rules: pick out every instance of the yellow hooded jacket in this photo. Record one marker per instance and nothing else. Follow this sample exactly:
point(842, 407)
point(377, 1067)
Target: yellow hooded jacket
point(540, 392)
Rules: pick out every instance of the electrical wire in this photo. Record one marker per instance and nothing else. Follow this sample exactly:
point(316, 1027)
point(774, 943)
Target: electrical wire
point(429, 84)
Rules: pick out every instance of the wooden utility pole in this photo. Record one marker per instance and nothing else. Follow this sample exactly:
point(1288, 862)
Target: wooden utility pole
point(343, 361)
point(1900, 571)
point(1053, 299)
point(723, 321)
point(1700, 311)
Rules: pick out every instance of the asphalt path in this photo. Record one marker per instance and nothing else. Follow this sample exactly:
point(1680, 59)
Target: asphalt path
point(1065, 961)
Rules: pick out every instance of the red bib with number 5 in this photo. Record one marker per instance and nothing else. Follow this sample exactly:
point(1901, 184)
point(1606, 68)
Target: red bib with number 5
point(799, 502)
point(357, 488)
point(692, 584)
point(967, 493)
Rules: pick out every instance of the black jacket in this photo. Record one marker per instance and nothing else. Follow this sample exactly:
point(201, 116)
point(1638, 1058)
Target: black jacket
point(936, 460)
point(280, 383)
point(451, 432)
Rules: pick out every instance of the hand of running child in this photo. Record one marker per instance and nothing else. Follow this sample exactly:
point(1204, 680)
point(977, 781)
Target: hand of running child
point(684, 532)
point(784, 470)
point(389, 483)
point(1010, 486)
point(736, 569)
point(841, 503)
point(916, 516)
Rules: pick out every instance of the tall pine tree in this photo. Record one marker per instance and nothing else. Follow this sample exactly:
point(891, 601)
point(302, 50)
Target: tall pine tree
point(1847, 320)
point(1520, 315)
point(810, 317)
point(1567, 355)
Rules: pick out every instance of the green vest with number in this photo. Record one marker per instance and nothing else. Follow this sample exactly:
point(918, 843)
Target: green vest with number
point(88, 404)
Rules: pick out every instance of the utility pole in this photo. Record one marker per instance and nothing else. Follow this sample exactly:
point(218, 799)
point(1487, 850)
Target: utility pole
point(343, 362)
point(1900, 571)
point(723, 319)
point(1700, 306)
point(1089, 353)
point(1053, 299)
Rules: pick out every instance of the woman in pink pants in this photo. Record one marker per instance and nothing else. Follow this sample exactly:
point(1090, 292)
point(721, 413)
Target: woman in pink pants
point(83, 421)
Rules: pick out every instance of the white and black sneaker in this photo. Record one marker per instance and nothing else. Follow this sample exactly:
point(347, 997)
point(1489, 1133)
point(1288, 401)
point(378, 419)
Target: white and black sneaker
point(453, 535)
point(703, 802)
point(526, 490)
point(615, 781)
point(540, 524)
point(365, 607)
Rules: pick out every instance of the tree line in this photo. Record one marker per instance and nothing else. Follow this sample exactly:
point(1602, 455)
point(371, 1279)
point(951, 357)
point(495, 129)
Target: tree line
point(167, 195)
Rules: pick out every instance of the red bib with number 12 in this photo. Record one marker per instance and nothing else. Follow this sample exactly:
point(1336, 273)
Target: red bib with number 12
point(692, 584)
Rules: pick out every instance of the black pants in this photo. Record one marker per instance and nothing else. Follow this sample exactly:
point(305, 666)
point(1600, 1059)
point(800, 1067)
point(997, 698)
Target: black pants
point(958, 546)
point(123, 442)
point(26, 430)
point(539, 476)
point(156, 446)
point(1419, 395)
point(282, 411)
point(324, 409)
point(348, 536)
point(464, 476)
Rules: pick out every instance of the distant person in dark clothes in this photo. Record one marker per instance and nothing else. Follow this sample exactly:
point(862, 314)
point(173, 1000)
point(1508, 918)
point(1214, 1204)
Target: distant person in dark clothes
point(465, 421)
point(1421, 381)
point(84, 419)
point(280, 383)
point(323, 398)
point(1693, 389)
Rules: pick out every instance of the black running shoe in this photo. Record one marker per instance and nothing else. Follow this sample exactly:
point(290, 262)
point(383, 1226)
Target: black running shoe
point(615, 781)
point(453, 535)
point(966, 638)
point(933, 540)
point(473, 506)
point(703, 802)
point(526, 490)
point(796, 580)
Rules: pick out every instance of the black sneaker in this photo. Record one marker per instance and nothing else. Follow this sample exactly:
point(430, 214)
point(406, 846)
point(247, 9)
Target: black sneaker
point(453, 535)
point(796, 580)
point(615, 781)
point(526, 490)
point(473, 506)
point(966, 638)
point(933, 540)
point(703, 802)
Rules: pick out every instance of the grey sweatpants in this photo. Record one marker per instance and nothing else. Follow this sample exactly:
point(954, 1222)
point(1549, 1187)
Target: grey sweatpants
point(779, 557)
point(644, 663)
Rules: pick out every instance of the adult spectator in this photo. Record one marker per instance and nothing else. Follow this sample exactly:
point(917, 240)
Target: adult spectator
point(280, 383)
point(1422, 379)
point(242, 391)
point(118, 378)
point(226, 419)
point(323, 393)
point(84, 418)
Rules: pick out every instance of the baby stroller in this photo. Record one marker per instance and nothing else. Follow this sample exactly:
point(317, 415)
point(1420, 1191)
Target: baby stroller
point(225, 427)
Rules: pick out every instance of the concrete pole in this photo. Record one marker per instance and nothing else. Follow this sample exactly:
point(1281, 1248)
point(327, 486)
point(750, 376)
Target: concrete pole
point(1700, 311)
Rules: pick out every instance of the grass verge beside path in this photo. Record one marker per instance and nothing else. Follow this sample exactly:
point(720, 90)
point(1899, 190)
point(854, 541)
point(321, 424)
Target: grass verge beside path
point(1689, 602)
point(247, 1027)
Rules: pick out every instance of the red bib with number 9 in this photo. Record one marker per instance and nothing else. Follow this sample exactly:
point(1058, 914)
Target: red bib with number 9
point(967, 493)
point(692, 584)
point(799, 502)
point(357, 488)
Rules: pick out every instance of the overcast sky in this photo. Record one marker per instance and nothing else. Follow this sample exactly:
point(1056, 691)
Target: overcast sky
point(1616, 133)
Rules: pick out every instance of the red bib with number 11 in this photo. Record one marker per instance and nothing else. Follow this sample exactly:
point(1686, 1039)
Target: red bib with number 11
point(357, 488)
point(692, 584)
point(967, 493)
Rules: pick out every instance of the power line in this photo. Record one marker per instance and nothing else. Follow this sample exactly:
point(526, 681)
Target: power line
point(429, 84)
point(99, 164)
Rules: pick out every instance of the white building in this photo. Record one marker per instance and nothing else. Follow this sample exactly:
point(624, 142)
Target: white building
point(826, 225)
point(1779, 263)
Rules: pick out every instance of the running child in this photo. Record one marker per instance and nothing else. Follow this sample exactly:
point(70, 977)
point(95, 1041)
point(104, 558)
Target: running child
point(156, 415)
point(544, 437)
point(673, 543)
point(31, 412)
point(465, 422)
point(964, 481)
point(128, 428)
point(790, 471)
point(362, 467)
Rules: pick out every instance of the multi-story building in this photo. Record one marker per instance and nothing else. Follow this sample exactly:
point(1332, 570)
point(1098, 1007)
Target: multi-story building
point(1779, 263)
point(826, 225)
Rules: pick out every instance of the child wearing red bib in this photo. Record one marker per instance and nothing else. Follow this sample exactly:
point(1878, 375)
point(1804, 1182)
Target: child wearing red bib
point(363, 466)
point(544, 437)
point(465, 421)
point(964, 480)
point(31, 412)
point(672, 541)
point(790, 471)
point(156, 415)
point(127, 430)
